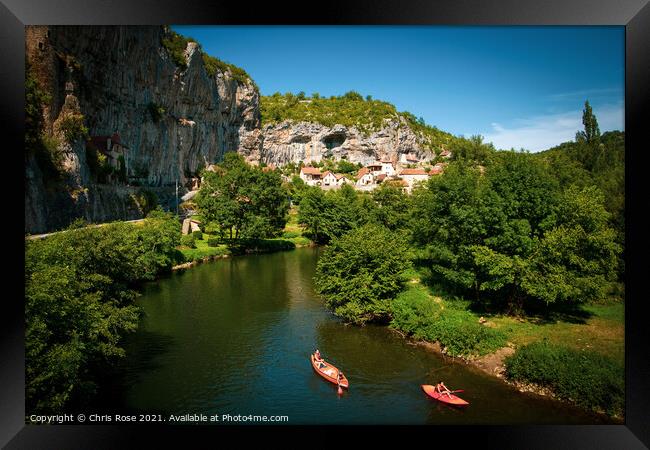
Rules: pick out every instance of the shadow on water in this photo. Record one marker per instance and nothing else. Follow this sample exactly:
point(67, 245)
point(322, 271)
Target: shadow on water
point(143, 350)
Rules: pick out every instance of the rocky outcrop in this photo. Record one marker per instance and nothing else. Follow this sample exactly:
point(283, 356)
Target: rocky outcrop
point(171, 120)
point(304, 141)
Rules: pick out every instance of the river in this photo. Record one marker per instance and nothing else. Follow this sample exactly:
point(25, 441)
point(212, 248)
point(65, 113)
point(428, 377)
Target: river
point(234, 337)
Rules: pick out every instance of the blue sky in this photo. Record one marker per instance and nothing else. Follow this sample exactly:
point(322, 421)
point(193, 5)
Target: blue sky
point(521, 87)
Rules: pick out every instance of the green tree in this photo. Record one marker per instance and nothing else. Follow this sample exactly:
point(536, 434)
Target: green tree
point(79, 292)
point(362, 271)
point(243, 200)
point(591, 133)
point(392, 207)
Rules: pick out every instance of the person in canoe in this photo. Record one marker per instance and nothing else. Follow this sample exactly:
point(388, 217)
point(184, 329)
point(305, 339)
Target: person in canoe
point(318, 359)
point(442, 389)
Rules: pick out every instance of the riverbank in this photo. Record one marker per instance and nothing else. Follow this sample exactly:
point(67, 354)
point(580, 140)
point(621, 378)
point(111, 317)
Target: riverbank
point(592, 330)
point(210, 248)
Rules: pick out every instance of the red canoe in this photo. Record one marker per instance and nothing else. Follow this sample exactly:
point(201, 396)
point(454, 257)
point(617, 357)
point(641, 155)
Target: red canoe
point(450, 399)
point(329, 372)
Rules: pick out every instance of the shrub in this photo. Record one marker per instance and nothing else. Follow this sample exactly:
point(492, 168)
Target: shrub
point(214, 242)
point(291, 234)
point(198, 235)
point(73, 128)
point(242, 246)
point(458, 331)
point(156, 111)
point(188, 241)
point(585, 377)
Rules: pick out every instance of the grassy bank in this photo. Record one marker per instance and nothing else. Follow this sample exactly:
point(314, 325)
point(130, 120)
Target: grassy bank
point(578, 354)
point(209, 245)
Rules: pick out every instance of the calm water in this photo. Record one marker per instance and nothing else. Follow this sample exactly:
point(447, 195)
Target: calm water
point(234, 337)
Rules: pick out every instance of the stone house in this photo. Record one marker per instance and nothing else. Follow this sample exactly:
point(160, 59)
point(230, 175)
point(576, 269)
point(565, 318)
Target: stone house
point(365, 177)
point(387, 167)
point(329, 179)
point(413, 176)
point(310, 175)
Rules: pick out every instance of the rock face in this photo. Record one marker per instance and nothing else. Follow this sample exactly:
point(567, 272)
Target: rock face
point(304, 141)
point(172, 120)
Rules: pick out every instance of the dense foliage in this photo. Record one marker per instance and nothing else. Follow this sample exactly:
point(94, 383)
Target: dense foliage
point(350, 110)
point(326, 215)
point(506, 229)
point(513, 234)
point(584, 377)
point(456, 329)
point(243, 200)
point(362, 271)
point(79, 292)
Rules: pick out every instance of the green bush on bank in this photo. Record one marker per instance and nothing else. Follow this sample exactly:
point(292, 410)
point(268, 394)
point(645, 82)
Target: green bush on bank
point(198, 235)
point(214, 242)
point(458, 331)
point(188, 241)
point(242, 246)
point(587, 378)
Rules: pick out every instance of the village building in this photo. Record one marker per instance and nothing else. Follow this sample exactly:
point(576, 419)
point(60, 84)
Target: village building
point(365, 177)
point(445, 154)
point(413, 176)
point(329, 179)
point(114, 151)
point(387, 167)
point(399, 183)
point(375, 168)
point(111, 146)
point(310, 175)
point(437, 169)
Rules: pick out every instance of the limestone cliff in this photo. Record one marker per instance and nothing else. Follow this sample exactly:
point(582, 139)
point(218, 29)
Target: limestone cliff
point(304, 141)
point(171, 120)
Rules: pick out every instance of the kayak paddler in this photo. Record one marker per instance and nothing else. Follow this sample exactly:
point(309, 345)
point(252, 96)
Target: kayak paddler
point(442, 389)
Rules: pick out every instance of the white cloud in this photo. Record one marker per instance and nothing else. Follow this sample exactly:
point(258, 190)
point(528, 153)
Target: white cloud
point(546, 131)
point(586, 93)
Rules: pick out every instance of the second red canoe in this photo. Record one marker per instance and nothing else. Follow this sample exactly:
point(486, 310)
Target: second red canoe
point(450, 399)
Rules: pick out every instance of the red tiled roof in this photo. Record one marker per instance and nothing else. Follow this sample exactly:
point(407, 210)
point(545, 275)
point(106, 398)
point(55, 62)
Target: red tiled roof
point(363, 171)
point(310, 170)
point(339, 176)
point(398, 182)
point(326, 172)
point(381, 177)
point(413, 172)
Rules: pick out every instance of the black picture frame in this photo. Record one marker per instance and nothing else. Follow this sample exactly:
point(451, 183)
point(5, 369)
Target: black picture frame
point(633, 14)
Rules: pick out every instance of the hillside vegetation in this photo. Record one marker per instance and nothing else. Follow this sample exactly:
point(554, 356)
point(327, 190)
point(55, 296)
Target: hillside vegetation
point(350, 110)
point(176, 44)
